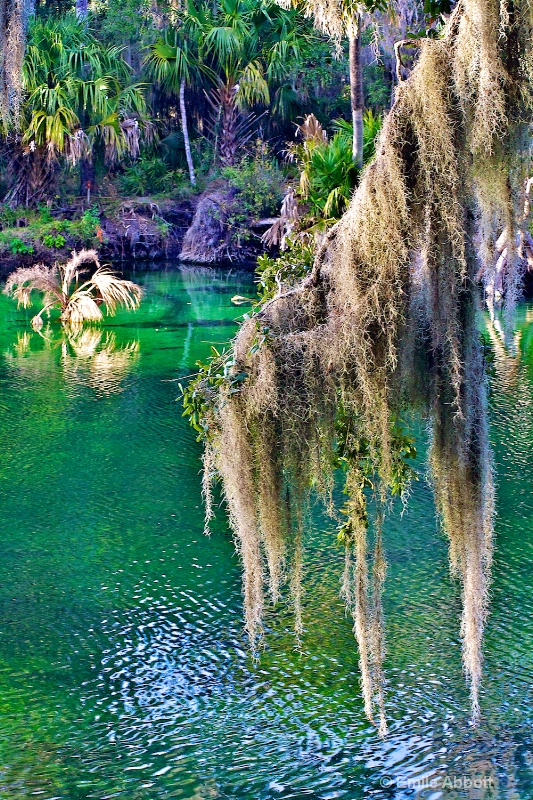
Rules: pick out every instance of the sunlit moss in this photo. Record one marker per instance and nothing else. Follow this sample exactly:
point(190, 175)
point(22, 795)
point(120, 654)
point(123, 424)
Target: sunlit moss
point(385, 322)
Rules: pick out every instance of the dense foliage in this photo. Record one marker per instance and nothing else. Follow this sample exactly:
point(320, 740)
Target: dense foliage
point(186, 89)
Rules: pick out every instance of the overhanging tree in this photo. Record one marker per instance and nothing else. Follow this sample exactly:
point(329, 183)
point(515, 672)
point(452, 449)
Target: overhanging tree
point(14, 16)
point(384, 323)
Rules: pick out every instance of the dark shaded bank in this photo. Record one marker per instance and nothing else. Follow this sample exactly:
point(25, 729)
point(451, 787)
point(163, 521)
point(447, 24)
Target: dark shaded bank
point(203, 229)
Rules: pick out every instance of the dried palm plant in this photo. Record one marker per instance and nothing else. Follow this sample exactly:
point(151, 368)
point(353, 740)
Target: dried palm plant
point(60, 288)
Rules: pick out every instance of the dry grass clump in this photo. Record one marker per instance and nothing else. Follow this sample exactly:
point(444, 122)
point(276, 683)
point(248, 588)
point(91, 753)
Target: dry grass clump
point(387, 321)
point(61, 288)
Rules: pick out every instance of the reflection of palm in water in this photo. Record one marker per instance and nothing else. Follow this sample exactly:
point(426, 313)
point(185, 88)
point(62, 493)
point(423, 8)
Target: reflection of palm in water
point(512, 347)
point(89, 357)
point(507, 355)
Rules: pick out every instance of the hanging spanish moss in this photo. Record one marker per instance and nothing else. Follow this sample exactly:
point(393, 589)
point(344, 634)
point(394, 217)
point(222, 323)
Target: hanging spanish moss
point(13, 19)
point(384, 324)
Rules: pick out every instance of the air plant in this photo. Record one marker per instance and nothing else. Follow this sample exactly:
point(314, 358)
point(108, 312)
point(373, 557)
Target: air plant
point(60, 288)
point(383, 325)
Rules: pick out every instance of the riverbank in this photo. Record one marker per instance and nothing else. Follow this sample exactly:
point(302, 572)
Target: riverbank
point(210, 228)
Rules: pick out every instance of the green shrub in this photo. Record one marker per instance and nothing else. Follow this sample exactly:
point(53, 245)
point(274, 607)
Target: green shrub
point(149, 175)
point(56, 241)
point(287, 269)
point(42, 227)
point(259, 181)
point(8, 217)
point(88, 226)
point(19, 247)
point(328, 174)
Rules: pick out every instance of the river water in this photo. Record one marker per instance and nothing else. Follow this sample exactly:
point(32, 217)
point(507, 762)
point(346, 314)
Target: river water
point(124, 671)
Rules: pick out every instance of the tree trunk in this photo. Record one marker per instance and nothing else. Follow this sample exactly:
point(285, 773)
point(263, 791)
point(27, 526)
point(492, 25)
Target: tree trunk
point(82, 9)
point(185, 129)
point(229, 121)
point(31, 176)
point(356, 90)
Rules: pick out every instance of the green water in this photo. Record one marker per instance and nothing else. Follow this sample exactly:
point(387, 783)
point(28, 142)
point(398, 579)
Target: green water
point(124, 671)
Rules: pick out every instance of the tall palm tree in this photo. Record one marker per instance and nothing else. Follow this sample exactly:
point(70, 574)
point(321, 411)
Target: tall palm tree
point(78, 97)
point(173, 64)
point(244, 47)
point(342, 19)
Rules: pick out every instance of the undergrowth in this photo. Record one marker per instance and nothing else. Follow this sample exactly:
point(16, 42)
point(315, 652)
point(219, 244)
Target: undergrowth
point(24, 230)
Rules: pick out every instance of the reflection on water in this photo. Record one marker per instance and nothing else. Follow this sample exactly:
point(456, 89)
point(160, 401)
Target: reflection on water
point(88, 356)
point(124, 669)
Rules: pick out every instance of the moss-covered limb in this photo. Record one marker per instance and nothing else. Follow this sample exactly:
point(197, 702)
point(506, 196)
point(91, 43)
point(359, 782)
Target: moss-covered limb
point(386, 321)
point(13, 19)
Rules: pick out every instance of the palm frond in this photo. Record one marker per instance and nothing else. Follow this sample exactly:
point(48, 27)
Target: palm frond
point(75, 266)
point(115, 292)
point(224, 43)
point(253, 87)
point(25, 280)
point(81, 307)
point(170, 64)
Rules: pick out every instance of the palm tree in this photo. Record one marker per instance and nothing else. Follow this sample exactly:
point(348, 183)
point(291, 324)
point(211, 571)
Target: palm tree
point(78, 97)
point(244, 48)
point(60, 288)
point(173, 65)
point(340, 19)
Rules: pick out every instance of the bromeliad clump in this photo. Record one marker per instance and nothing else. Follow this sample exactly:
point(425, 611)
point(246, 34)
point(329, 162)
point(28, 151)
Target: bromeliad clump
point(384, 323)
point(79, 301)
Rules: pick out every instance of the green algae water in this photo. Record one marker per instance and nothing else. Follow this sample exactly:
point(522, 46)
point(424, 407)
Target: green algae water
point(124, 670)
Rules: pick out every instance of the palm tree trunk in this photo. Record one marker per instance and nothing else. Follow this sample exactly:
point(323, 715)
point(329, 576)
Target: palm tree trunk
point(82, 9)
point(31, 177)
point(185, 129)
point(356, 90)
point(229, 120)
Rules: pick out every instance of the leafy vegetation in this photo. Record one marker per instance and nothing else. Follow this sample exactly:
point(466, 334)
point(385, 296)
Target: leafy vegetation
point(136, 98)
point(41, 228)
point(288, 268)
point(259, 182)
point(149, 175)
